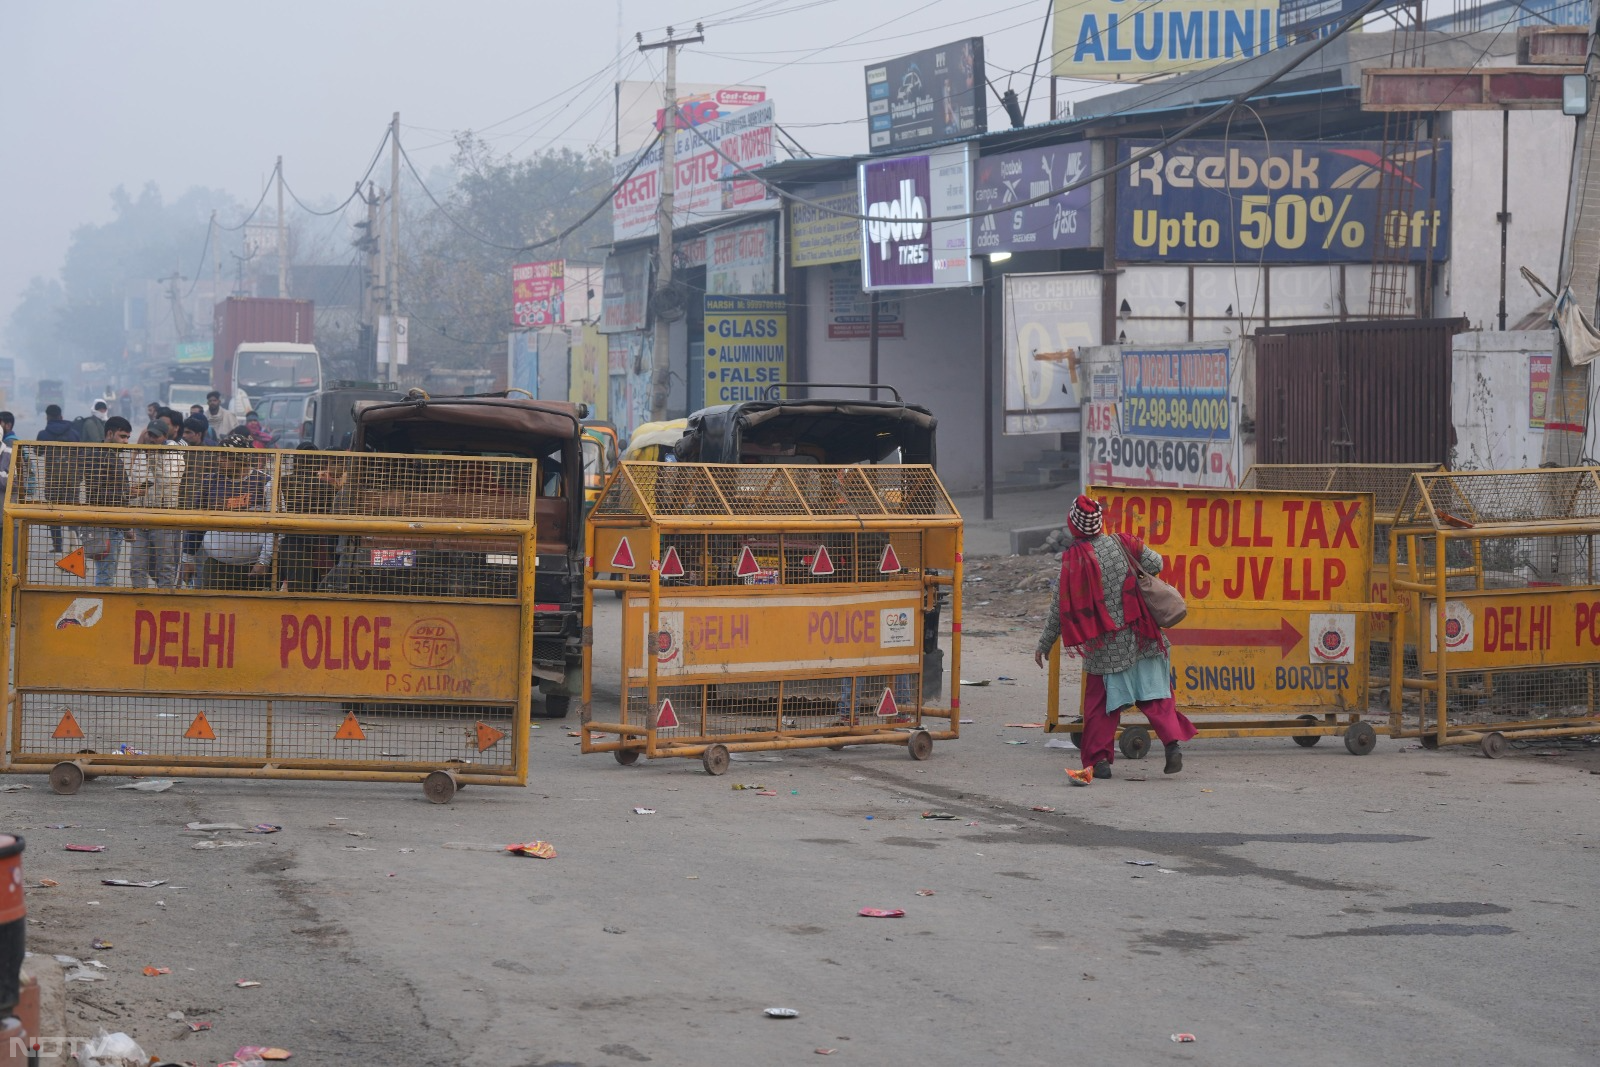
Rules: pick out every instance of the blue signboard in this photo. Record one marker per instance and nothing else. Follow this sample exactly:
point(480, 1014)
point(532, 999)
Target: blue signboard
point(1060, 222)
point(1175, 393)
point(1282, 202)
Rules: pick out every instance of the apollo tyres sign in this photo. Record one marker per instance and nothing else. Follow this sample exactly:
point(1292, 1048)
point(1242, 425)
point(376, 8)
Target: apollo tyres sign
point(901, 248)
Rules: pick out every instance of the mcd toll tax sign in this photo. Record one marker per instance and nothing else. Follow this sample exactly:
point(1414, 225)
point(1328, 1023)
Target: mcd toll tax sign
point(1276, 585)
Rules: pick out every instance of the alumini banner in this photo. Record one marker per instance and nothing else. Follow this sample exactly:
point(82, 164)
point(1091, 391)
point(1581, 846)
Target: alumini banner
point(705, 185)
point(1060, 222)
point(1282, 202)
point(900, 248)
point(1136, 38)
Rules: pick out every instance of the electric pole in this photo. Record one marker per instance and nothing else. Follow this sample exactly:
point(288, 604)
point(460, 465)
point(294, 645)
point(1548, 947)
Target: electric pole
point(369, 245)
point(283, 242)
point(392, 288)
point(216, 260)
point(660, 357)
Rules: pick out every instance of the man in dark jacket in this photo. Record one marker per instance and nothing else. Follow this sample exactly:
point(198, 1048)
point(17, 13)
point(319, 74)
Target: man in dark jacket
point(105, 481)
point(92, 427)
point(61, 474)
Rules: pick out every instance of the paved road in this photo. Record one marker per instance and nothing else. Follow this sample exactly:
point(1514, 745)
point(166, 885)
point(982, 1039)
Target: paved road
point(1405, 907)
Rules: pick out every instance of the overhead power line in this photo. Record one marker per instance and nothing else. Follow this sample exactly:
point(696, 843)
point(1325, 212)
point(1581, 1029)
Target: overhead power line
point(1106, 172)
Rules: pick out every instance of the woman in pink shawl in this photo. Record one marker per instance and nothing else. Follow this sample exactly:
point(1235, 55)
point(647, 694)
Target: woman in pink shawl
point(1100, 616)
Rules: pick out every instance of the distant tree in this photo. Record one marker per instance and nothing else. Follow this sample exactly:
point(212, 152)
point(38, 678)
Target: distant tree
point(454, 281)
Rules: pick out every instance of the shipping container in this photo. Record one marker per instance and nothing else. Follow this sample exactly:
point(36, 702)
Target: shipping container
point(1355, 392)
point(246, 320)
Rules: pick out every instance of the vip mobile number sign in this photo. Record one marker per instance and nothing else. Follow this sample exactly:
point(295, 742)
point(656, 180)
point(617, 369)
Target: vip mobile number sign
point(1160, 416)
point(1281, 202)
point(538, 293)
point(1268, 578)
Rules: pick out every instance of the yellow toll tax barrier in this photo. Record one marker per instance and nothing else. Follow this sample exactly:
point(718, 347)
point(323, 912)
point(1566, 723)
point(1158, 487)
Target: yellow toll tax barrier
point(1499, 590)
point(1277, 583)
point(774, 607)
point(1387, 482)
point(202, 612)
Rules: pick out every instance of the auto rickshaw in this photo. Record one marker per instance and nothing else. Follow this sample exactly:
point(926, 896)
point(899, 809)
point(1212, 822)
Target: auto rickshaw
point(655, 442)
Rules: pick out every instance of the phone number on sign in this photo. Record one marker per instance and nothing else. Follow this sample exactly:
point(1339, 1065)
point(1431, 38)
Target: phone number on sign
point(1165, 458)
point(1176, 416)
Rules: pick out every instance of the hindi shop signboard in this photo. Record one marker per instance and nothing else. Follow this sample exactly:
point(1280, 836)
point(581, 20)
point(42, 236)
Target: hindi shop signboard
point(1280, 202)
point(625, 292)
point(742, 259)
point(1129, 39)
point(1049, 320)
point(1265, 576)
point(927, 96)
point(746, 347)
point(538, 294)
point(1160, 416)
point(900, 247)
point(1060, 222)
point(705, 184)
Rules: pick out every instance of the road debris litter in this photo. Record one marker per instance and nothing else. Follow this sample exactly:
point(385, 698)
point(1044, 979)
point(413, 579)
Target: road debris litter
point(882, 913)
point(1183, 1039)
point(644, 811)
point(153, 785)
point(781, 1013)
point(542, 850)
point(84, 848)
point(152, 972)
point(134, 885)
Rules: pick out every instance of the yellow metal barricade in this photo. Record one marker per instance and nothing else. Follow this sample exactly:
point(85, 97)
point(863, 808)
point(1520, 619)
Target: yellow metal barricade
point(1500, 593)
point(1387, 482)
point(212, 612)
point(1277, 585)
point(769, 607)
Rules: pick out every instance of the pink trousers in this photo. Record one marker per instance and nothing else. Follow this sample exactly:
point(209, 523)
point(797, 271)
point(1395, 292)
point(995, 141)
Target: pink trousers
point(1098, 740)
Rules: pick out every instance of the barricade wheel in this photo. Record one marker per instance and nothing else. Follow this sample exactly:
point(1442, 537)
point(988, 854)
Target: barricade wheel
point(920, 745)
point(439, 787)
point(1493, 745)
point(1430, 742)
point(1359, 738)
point(1307, 740)
point(715, 759)
point(66, 779)
point(626, 756)
point(1134, 742)
point(1076, 738)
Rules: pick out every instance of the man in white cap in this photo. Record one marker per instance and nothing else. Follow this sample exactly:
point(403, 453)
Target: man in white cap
point(1101, 616)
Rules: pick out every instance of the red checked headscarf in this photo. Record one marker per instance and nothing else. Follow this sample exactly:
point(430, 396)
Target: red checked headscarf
point(1085, 620)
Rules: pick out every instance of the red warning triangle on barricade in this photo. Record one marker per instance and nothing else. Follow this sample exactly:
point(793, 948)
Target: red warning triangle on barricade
point(671, 565)
point(622, 558)
point(488, 736)
point(349, 730)
point(68, 726)
point(887, 708)
point(890, 563)
point(200, 729)
point(822, 563)
point(73, 563)
point(747, 564)
point(666, 718)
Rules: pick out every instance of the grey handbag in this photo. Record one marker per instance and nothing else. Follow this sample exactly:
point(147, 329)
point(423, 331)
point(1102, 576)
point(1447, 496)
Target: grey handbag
point(1163, 602)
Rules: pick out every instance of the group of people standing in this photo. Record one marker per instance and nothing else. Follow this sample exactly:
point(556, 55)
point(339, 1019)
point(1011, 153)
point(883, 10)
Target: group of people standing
point(162, 477)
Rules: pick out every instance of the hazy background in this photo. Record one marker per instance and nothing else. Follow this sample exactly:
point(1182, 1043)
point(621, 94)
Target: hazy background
point(96, 94)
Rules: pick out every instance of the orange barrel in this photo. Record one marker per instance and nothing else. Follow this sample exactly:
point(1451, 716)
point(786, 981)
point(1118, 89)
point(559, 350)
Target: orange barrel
point(13, 921)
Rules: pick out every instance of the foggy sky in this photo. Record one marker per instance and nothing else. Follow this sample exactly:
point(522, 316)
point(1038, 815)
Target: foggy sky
point(95, 94)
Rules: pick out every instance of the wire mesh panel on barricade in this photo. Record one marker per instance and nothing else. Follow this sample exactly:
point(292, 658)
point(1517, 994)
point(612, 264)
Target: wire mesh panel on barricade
point(771, 606)
point(246, 612)
point(1500, 597)
point(1387, 482)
